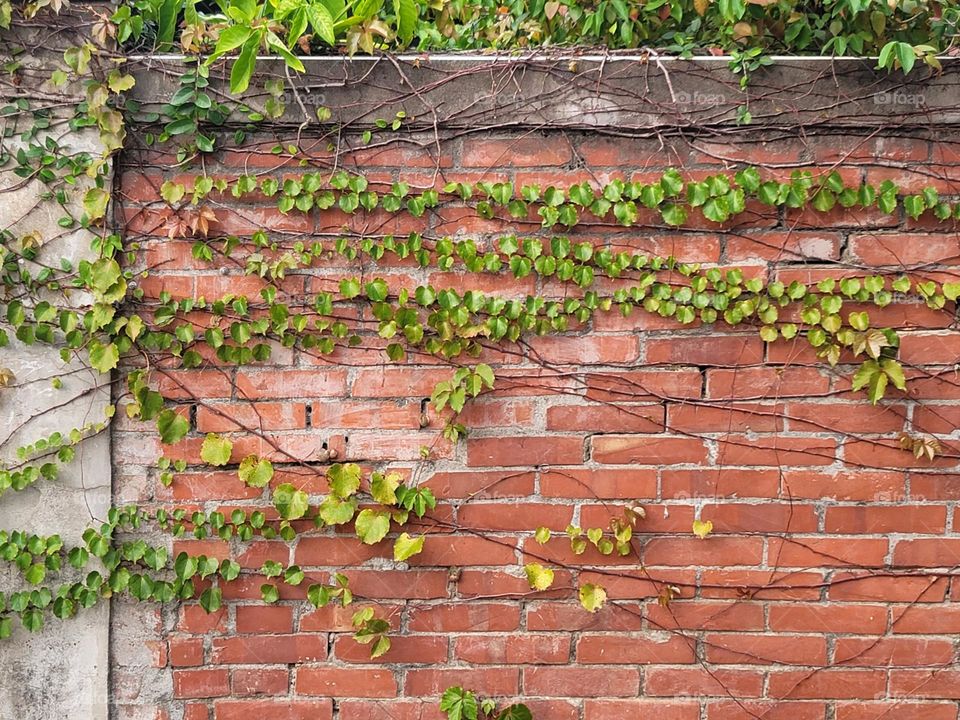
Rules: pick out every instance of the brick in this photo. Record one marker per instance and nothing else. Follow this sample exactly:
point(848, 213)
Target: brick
point(923, 520)
point(934, 487)
point(706, 615)
point(335, 552)
point(651, 648)
point(718, 482)
point(847, 418)
point(698, 682)
point(936, 418)
point(365, 414)
point(814, 551)
point(599, 484)
point(644, 450)
point(884, 454)
point(919, 620)
point(481, 484)
point(487, 582)
point(600, 418)
point(274, 384)
point(682, 551)
point(639, 385)
point(776, 451)
point(581, 681)
point(589, 350)
point(345, 682)
point(776, 710)
point(535, 649)
point(927, 552)
point(569, 617)
point(782, 247)
point(929, 348)
point(514, 516)
point(729, 417)
point(761, 584)
point(387, 710)
point(422, 650)
point(527, 151)
point(918, 684)
point(456, 551)
point(186, 652)
point(285, 709)
point(767, 517)
point(497, 413)
point(756, 649)
point(270, 649)
point(467, 617)
point(859, 587)
point(264, 619)
point(766, 383)
point(893, 651)
point(903, 250)
point(335, 618)
point(828, 683)
point(705, 350)
point(496, 681)
point(845, 485)
point(902, 709)
point(829, 618)
point(194, 619)
point(201, 683)
point(399, 584)
point(206, 486)
point(661, 709)
point(515, 451)
point(189, 384)
point(260, 681)
point(195, 712)
point(232, 417)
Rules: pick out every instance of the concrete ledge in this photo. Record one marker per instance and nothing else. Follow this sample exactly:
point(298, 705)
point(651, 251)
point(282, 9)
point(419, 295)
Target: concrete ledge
point(616, 92)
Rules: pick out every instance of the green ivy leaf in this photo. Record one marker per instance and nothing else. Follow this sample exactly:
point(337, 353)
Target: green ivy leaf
point(592, 597)
point(674, 215)
point(269, 593)
point(216, 450)
point(539, 577)
point(459, 704)
point(256, 471)
point(172, 427)
point(516, 712)
point(372, 526)
point(172, 192)
point(103, 358)
point(406, 12)
point(334, 511)
point(35, 574)
point(344, 480)
point(894, 371)
point(406, 547)
point(95, 203)
point(383, 488)
point(291, 503)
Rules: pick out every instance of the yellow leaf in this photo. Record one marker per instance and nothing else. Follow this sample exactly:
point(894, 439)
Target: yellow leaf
point(702, 528)
point(539, 577)
point(592, 597)
point(701, 6)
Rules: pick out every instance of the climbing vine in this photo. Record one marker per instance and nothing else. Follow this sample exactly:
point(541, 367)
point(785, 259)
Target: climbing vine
point(136, 338)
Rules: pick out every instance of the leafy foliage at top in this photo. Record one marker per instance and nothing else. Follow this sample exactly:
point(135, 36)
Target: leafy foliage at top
point(901, 32)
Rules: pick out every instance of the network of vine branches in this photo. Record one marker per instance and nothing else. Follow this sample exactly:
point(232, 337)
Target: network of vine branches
point(178, 122)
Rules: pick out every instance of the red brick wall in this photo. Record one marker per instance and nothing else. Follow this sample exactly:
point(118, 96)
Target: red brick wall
point(825, 590)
